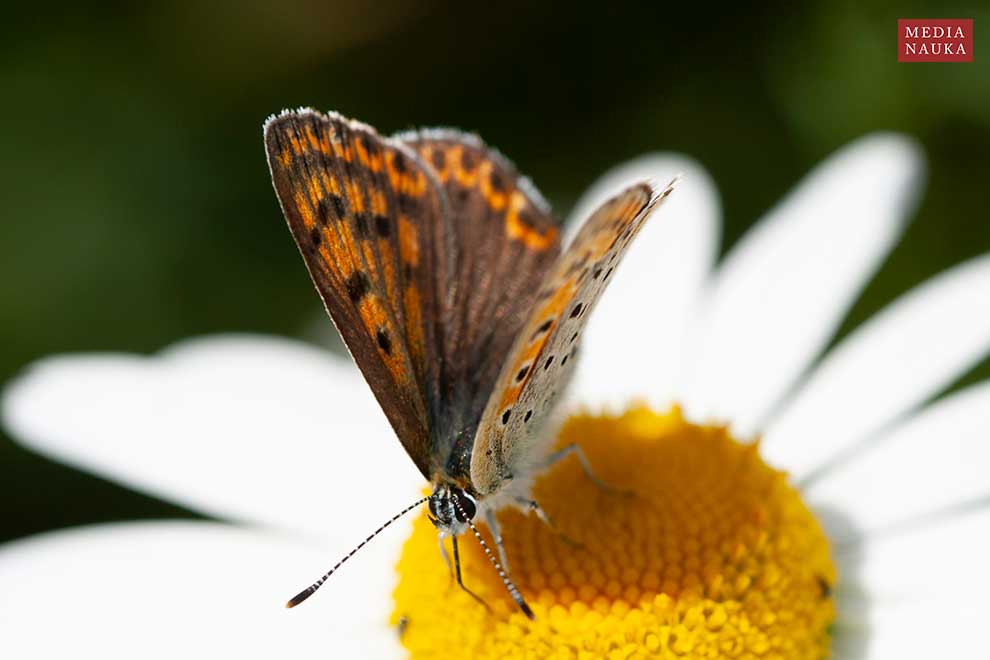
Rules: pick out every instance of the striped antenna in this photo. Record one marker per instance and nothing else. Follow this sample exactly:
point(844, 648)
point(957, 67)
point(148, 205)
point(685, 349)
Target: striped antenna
point(311, 589)
point(513, 591)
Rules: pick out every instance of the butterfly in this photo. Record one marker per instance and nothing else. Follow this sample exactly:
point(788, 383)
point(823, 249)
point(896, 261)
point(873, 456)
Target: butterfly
point(442, 269)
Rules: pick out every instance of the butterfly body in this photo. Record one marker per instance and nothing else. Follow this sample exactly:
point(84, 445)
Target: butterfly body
point(441, 268)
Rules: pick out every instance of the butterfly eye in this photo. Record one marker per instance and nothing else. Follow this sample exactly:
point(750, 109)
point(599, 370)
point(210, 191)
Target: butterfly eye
point(466, 506)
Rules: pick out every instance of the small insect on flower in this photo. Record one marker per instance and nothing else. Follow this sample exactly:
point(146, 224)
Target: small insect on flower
point(442, 269)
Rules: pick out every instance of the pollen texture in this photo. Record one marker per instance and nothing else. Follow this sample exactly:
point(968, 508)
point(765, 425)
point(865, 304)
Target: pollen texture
point(705, 553)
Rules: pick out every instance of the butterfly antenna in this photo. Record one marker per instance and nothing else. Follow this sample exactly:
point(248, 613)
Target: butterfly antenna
point(513, 591)
point(311, 589)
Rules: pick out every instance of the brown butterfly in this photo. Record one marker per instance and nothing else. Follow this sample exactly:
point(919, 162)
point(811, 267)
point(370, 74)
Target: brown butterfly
point(442, 269)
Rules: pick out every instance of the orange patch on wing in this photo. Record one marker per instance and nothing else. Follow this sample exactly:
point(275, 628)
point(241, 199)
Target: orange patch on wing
point(314, 190)
point(316, 142)
point(325, 254)
point(378, 204)
point(454, 161)
point(346, 250)
point(305, 208)
point(551, 310)
point(341, 150)
point(416, 184)
point(388, 268)
point(330, 183)
point(373, 161)
point(373, 313)
point(332, 254)
point(496, 199)
point(394, 174)
point(413, 306)
point(516, 229)
point(354, 196)
point(375, 317)
point(408, 242)
point(443, 173)
point(368, 252)
point(296, 147)
point(466, 178)
point(509, 397)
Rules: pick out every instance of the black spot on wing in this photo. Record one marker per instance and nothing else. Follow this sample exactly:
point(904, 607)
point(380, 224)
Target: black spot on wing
point(384, 341)
point(357, 286)
point(497, 182)
point(330, 208)
point(361, 220)
point(527, 218)
point(382, 226)
point(408, 204)
point(543, 328)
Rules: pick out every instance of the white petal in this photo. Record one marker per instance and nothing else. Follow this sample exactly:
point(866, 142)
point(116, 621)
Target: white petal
point(634, 341)
point(939, 558)
point(935, 460)
point(903, 356)
point(932, 629)
point(782, 291)
point(923, 588)
point(251, 428)
point(184, 589)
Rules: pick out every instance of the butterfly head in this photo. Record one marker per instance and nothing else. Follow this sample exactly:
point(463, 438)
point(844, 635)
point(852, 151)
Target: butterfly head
point(451, 508)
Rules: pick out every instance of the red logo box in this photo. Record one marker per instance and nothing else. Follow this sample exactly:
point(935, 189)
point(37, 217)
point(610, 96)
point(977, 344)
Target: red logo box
point(935, 40)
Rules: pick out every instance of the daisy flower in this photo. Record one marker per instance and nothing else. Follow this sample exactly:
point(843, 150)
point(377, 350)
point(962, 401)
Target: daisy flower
point(796, 502)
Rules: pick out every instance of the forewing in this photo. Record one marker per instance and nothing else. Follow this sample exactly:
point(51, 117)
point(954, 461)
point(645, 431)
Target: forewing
point(506, 240)
point(542, 358)
point(369, 220)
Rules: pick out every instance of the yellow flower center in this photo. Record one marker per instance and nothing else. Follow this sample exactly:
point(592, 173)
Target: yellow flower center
point(712, 555)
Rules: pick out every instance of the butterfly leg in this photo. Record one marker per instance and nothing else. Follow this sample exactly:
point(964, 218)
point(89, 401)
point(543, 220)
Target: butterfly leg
point(535, 507)
point(575, 449)
point(443, 553)
point(497, 533)
point(457, 572)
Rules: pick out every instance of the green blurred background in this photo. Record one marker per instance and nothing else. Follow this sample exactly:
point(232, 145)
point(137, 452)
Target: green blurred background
point(137, 205)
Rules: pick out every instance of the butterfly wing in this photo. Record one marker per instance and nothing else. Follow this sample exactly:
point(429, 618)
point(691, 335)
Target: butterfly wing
point(542, 358)
point(368, 217)
point(505, 240)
